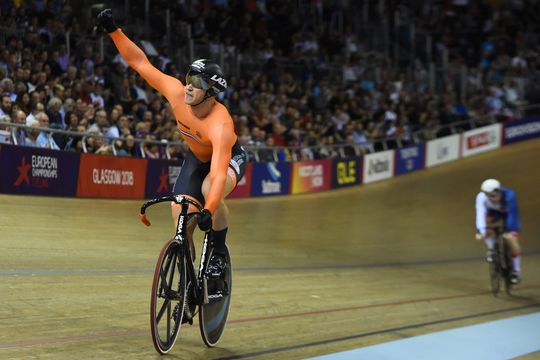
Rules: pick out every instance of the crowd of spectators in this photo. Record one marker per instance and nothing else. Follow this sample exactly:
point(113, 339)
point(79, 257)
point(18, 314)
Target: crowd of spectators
point(371, 98)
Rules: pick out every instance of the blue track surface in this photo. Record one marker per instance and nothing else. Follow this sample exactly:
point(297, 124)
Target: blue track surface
point(500, 339)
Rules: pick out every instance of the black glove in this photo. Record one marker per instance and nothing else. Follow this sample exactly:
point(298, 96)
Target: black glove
point(205, 220)
point(106, 21)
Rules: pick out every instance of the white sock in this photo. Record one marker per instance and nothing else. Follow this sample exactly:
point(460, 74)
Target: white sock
point(517, 263)
point(490, 243)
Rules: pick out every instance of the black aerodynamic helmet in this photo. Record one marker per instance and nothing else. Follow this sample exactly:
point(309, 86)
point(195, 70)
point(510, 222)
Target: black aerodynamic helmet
point(207, 75)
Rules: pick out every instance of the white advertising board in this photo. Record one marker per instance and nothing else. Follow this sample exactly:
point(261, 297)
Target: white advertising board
point(378, 166)
point(442, 150)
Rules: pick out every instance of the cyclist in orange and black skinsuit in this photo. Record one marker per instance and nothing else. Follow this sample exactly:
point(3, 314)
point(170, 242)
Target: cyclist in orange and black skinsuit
point(215, 162)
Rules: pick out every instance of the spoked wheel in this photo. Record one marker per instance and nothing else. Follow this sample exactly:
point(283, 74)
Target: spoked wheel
point(213, 316)
point(168, 296)
point(495, 277)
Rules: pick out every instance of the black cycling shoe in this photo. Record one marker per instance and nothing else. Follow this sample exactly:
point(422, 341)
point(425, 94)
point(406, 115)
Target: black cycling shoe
point(216, 266)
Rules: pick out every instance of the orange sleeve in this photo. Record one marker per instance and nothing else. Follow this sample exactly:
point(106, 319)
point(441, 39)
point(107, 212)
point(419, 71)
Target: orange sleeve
point(168, 86)
point(223, 139)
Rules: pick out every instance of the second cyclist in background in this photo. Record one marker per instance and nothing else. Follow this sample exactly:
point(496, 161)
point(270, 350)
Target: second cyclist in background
point(496, 203)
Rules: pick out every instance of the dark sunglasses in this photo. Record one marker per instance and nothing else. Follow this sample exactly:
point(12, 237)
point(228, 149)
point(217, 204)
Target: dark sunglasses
point(197, 81)
point(493, 194)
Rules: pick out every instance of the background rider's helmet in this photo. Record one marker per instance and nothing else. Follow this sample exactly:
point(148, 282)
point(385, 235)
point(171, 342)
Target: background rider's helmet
point(207, 75)
point(490, 186)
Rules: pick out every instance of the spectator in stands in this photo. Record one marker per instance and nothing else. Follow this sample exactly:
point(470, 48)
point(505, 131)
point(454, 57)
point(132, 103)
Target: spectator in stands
point(100, 122)
point(8, 88)
point(43, 139)
point(38, 108)
point(5, 105)
point(53, 112)
point(23, 102)
point(32, 134)
point(19, 117)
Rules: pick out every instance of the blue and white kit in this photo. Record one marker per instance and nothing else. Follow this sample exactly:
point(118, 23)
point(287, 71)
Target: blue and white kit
point(507, 209)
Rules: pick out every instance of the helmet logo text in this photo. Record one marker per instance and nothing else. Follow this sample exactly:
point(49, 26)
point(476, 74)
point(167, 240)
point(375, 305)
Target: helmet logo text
point(221, 81)
point(198, 64)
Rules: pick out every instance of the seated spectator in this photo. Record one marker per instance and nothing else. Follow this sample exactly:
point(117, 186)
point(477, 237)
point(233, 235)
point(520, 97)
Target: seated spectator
point(44, 139)
point(19, 133)
point(32, 134)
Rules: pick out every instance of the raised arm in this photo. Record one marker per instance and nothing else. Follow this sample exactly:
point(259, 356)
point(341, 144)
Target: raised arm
point(168, 86)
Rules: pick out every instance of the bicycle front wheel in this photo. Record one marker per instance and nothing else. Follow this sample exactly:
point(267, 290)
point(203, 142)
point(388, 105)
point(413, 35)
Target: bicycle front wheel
point(168, 296)
point(495, 276)
point(213, 316)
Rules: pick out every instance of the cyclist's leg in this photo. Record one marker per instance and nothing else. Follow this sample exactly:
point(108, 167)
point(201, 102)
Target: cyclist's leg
point(489, 240)
point(189, 183)
point(515, 249)
point(220, 218)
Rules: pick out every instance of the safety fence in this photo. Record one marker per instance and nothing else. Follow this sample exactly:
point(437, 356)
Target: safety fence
point(25, 170)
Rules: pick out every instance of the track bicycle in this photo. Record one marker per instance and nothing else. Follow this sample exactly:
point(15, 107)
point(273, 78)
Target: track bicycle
point(500, 266)
point(180, 291)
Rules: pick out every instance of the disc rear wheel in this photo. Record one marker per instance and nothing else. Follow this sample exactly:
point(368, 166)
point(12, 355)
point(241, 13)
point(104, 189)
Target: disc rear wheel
point(213, 316)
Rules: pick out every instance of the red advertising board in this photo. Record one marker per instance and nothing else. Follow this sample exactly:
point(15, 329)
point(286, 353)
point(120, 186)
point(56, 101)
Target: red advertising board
point(111, 177)
point(481, 139)
point(310, 176)
point(243, 189)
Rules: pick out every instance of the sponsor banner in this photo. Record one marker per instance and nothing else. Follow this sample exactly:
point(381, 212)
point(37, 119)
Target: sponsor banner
point(310, 176)
point(161, 176)
point(410, 158)
point(482, 139)
point(243, 188)
point(442, 150)
point(520, 130)
point(378, 166)
point(26, 170)
point(270, 179)
point(111, 177)
point(346, 172)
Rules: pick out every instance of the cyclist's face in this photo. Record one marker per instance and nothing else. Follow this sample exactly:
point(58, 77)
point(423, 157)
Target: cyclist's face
point(496, 197)
point(193, 95)
point(194, 89)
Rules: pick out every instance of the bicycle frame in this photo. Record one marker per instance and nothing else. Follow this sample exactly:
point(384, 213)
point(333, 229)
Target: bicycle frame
point(501, 245)
point(200, 289)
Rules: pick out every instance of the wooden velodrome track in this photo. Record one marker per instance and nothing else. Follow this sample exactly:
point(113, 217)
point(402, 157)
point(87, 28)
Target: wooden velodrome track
point(314, 274)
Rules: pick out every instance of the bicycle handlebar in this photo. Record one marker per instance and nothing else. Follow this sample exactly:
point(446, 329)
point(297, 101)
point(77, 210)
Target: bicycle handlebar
point(177, 199)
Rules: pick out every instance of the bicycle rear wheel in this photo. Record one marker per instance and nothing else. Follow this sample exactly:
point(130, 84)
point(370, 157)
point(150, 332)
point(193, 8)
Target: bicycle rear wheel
point(213, 316)
point(168, 296)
